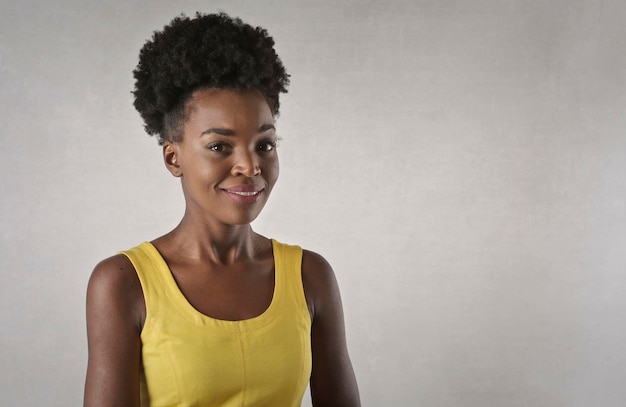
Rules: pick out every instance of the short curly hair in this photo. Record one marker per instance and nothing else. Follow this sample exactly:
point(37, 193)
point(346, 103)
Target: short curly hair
point(207, 51)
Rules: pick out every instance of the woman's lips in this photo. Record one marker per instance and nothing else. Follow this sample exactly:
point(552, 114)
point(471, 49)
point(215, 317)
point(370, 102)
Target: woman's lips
point(244, 194)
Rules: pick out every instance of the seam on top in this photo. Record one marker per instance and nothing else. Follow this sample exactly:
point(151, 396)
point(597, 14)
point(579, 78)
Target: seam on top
point(244, 373)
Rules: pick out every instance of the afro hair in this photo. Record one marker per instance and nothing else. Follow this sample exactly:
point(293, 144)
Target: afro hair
point(207, 51)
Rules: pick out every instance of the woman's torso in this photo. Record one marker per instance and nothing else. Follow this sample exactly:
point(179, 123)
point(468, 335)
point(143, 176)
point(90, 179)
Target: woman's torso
point(192, 359)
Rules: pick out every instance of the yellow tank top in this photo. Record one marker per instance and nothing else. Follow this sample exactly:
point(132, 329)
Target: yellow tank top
point(190, 359)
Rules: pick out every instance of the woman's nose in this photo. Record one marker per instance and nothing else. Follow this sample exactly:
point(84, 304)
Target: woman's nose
point(246, 164)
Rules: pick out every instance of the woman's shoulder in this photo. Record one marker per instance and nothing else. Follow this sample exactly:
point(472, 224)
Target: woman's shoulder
point(114, 270)
point(316, 265)
point(114, 324)
point(114, 283)
point(318, 279)
point(312, 262)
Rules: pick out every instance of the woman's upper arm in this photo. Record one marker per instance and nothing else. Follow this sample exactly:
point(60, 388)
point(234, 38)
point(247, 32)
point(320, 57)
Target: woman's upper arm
point(332, 379)
point(114, 319)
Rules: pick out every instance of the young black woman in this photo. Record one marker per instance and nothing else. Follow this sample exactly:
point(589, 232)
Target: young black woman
point(212, 313)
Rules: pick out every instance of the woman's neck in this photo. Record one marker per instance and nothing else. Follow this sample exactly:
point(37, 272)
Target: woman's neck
point(212, 241)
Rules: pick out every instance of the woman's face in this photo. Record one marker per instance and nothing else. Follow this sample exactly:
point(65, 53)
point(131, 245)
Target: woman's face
point(227, 159)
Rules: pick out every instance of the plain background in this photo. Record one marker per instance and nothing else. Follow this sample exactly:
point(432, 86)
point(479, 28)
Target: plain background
point(461, 164)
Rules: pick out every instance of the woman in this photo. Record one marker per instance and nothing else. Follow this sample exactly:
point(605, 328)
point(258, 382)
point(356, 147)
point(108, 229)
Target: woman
point(212, 313)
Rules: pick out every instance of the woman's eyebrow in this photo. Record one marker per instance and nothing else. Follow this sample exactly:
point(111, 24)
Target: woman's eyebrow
point(266, 127)
point(219, 130)
point(228, 132)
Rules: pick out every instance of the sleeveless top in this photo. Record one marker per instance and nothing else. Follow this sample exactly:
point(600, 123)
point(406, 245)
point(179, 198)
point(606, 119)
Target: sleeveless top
point(190, 359)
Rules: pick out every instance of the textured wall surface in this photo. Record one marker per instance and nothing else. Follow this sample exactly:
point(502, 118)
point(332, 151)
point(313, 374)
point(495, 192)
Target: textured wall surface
point(461, 164)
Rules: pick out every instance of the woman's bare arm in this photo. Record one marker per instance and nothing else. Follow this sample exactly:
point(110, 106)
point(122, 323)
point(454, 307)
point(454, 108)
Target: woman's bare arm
point(115, 313)
point(332, 380)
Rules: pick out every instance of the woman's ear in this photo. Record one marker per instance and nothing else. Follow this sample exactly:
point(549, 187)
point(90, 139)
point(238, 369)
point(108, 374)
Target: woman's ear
point(170, 157)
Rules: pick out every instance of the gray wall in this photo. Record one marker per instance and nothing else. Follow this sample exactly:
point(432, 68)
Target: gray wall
point(462, 164)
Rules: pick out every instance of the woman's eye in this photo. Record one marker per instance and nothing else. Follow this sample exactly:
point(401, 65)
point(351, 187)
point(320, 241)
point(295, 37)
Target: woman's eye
point(218, 147)
point(267, 146)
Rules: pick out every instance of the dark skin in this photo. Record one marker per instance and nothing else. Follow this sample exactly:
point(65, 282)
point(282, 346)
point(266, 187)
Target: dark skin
point(224, 269)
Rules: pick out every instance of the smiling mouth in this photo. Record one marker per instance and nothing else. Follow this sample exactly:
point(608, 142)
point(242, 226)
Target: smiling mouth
point(245, 193)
